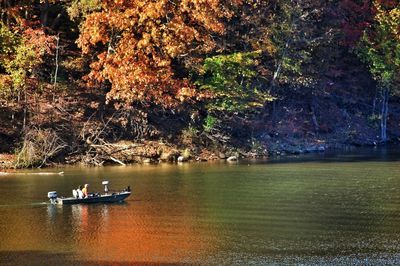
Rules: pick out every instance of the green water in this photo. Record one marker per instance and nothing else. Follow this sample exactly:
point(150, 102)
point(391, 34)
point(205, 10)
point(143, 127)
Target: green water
point(313, 210)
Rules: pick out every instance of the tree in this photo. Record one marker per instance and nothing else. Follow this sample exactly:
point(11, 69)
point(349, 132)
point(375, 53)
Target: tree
point(24, 45)
point(380, 50)
point(232, 80)
point(140, 46)
point(79, 9)
point(356, 16)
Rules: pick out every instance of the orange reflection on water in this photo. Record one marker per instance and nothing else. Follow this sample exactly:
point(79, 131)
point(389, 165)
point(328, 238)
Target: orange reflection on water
point(120, 233)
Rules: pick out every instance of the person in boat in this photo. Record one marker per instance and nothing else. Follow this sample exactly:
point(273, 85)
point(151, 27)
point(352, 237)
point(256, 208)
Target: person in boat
point(85, 191)
point(79, 192)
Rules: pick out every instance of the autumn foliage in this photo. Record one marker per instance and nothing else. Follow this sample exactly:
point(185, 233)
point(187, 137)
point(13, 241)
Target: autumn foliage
point(139, 45)
point(222, 67)
point(24, 47)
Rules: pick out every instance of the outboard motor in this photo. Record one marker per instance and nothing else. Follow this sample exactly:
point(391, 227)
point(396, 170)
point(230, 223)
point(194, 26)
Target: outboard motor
point(105, 183)
point(52, 195)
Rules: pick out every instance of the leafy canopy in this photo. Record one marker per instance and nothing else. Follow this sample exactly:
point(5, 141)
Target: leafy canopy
point(232, 81)
point(380, 46)
point(21, 55)
point(139, 46)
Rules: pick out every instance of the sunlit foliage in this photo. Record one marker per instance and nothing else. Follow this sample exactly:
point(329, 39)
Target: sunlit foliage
point(380, 46)
point(233, 81)
point(138, 45)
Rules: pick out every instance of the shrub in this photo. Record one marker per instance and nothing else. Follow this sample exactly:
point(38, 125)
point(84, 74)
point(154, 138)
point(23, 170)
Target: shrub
point(38, 147)
point(189, 135)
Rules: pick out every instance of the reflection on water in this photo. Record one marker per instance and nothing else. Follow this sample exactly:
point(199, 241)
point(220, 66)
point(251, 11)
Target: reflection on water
point(299, 212)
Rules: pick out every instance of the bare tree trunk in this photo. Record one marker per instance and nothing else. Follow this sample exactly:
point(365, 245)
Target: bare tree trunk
point(384, 114)
point(314, 117)
point(25, 110)
point(279, 67)
point(275, 78)
point(56, 21)
point(56, 70)
point(386, 111)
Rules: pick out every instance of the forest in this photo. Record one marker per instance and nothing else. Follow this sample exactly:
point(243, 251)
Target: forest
point(117, 81)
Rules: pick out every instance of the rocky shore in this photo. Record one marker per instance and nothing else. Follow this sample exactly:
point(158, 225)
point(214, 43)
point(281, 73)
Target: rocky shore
point(152, 152)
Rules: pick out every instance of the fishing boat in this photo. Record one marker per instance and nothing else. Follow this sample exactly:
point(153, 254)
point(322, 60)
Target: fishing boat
point(106, 197)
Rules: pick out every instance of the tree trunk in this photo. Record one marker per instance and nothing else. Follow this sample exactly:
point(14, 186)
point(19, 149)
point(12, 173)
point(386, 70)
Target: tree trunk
point(25, 110)
point(56, 21)
point(279, 66)
point(374, 101)
point(384, 114)
point(275, 78)
point(314, 116)
point(57, 51)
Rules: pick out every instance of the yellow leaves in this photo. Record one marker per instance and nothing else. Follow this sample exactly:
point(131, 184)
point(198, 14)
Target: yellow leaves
point(394, 21)
point(144, 42)
point(389, 18)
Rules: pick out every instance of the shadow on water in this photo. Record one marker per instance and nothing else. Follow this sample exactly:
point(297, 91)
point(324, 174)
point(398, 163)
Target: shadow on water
point(103, 263)
point(34, 257)
point(359, 154)
point(38, 257)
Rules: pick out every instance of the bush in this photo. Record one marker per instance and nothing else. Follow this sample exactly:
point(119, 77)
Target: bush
point(38, 147)
point(209, 123)
point(189, 135)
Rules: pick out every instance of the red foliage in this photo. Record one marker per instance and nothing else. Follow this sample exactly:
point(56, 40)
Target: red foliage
point(389, 4)
point(356, 17)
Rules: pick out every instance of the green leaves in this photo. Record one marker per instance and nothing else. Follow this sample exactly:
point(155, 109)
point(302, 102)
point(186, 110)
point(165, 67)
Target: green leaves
point(21, 54)
point(380, 46)
point(209, 123)
point(233, 81)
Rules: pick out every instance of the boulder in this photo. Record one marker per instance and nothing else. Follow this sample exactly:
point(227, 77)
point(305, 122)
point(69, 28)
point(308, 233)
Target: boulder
point(146, 160)
point(181, 159)
point(222, 155)
point(232, 159)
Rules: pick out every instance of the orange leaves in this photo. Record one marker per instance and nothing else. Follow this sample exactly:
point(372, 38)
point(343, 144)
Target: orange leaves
point(207, 13)
point(137, 41)
point(153, 10)
point(93, 31)
point(39, 41)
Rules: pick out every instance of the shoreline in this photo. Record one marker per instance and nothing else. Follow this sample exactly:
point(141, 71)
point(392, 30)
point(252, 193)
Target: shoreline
point(7, 161)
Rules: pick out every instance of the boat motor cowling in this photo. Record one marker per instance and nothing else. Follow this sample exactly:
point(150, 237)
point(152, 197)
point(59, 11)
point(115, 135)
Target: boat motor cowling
point(52, 195)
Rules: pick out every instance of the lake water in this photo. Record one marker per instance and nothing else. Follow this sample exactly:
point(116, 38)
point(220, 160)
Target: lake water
point(316, 209)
